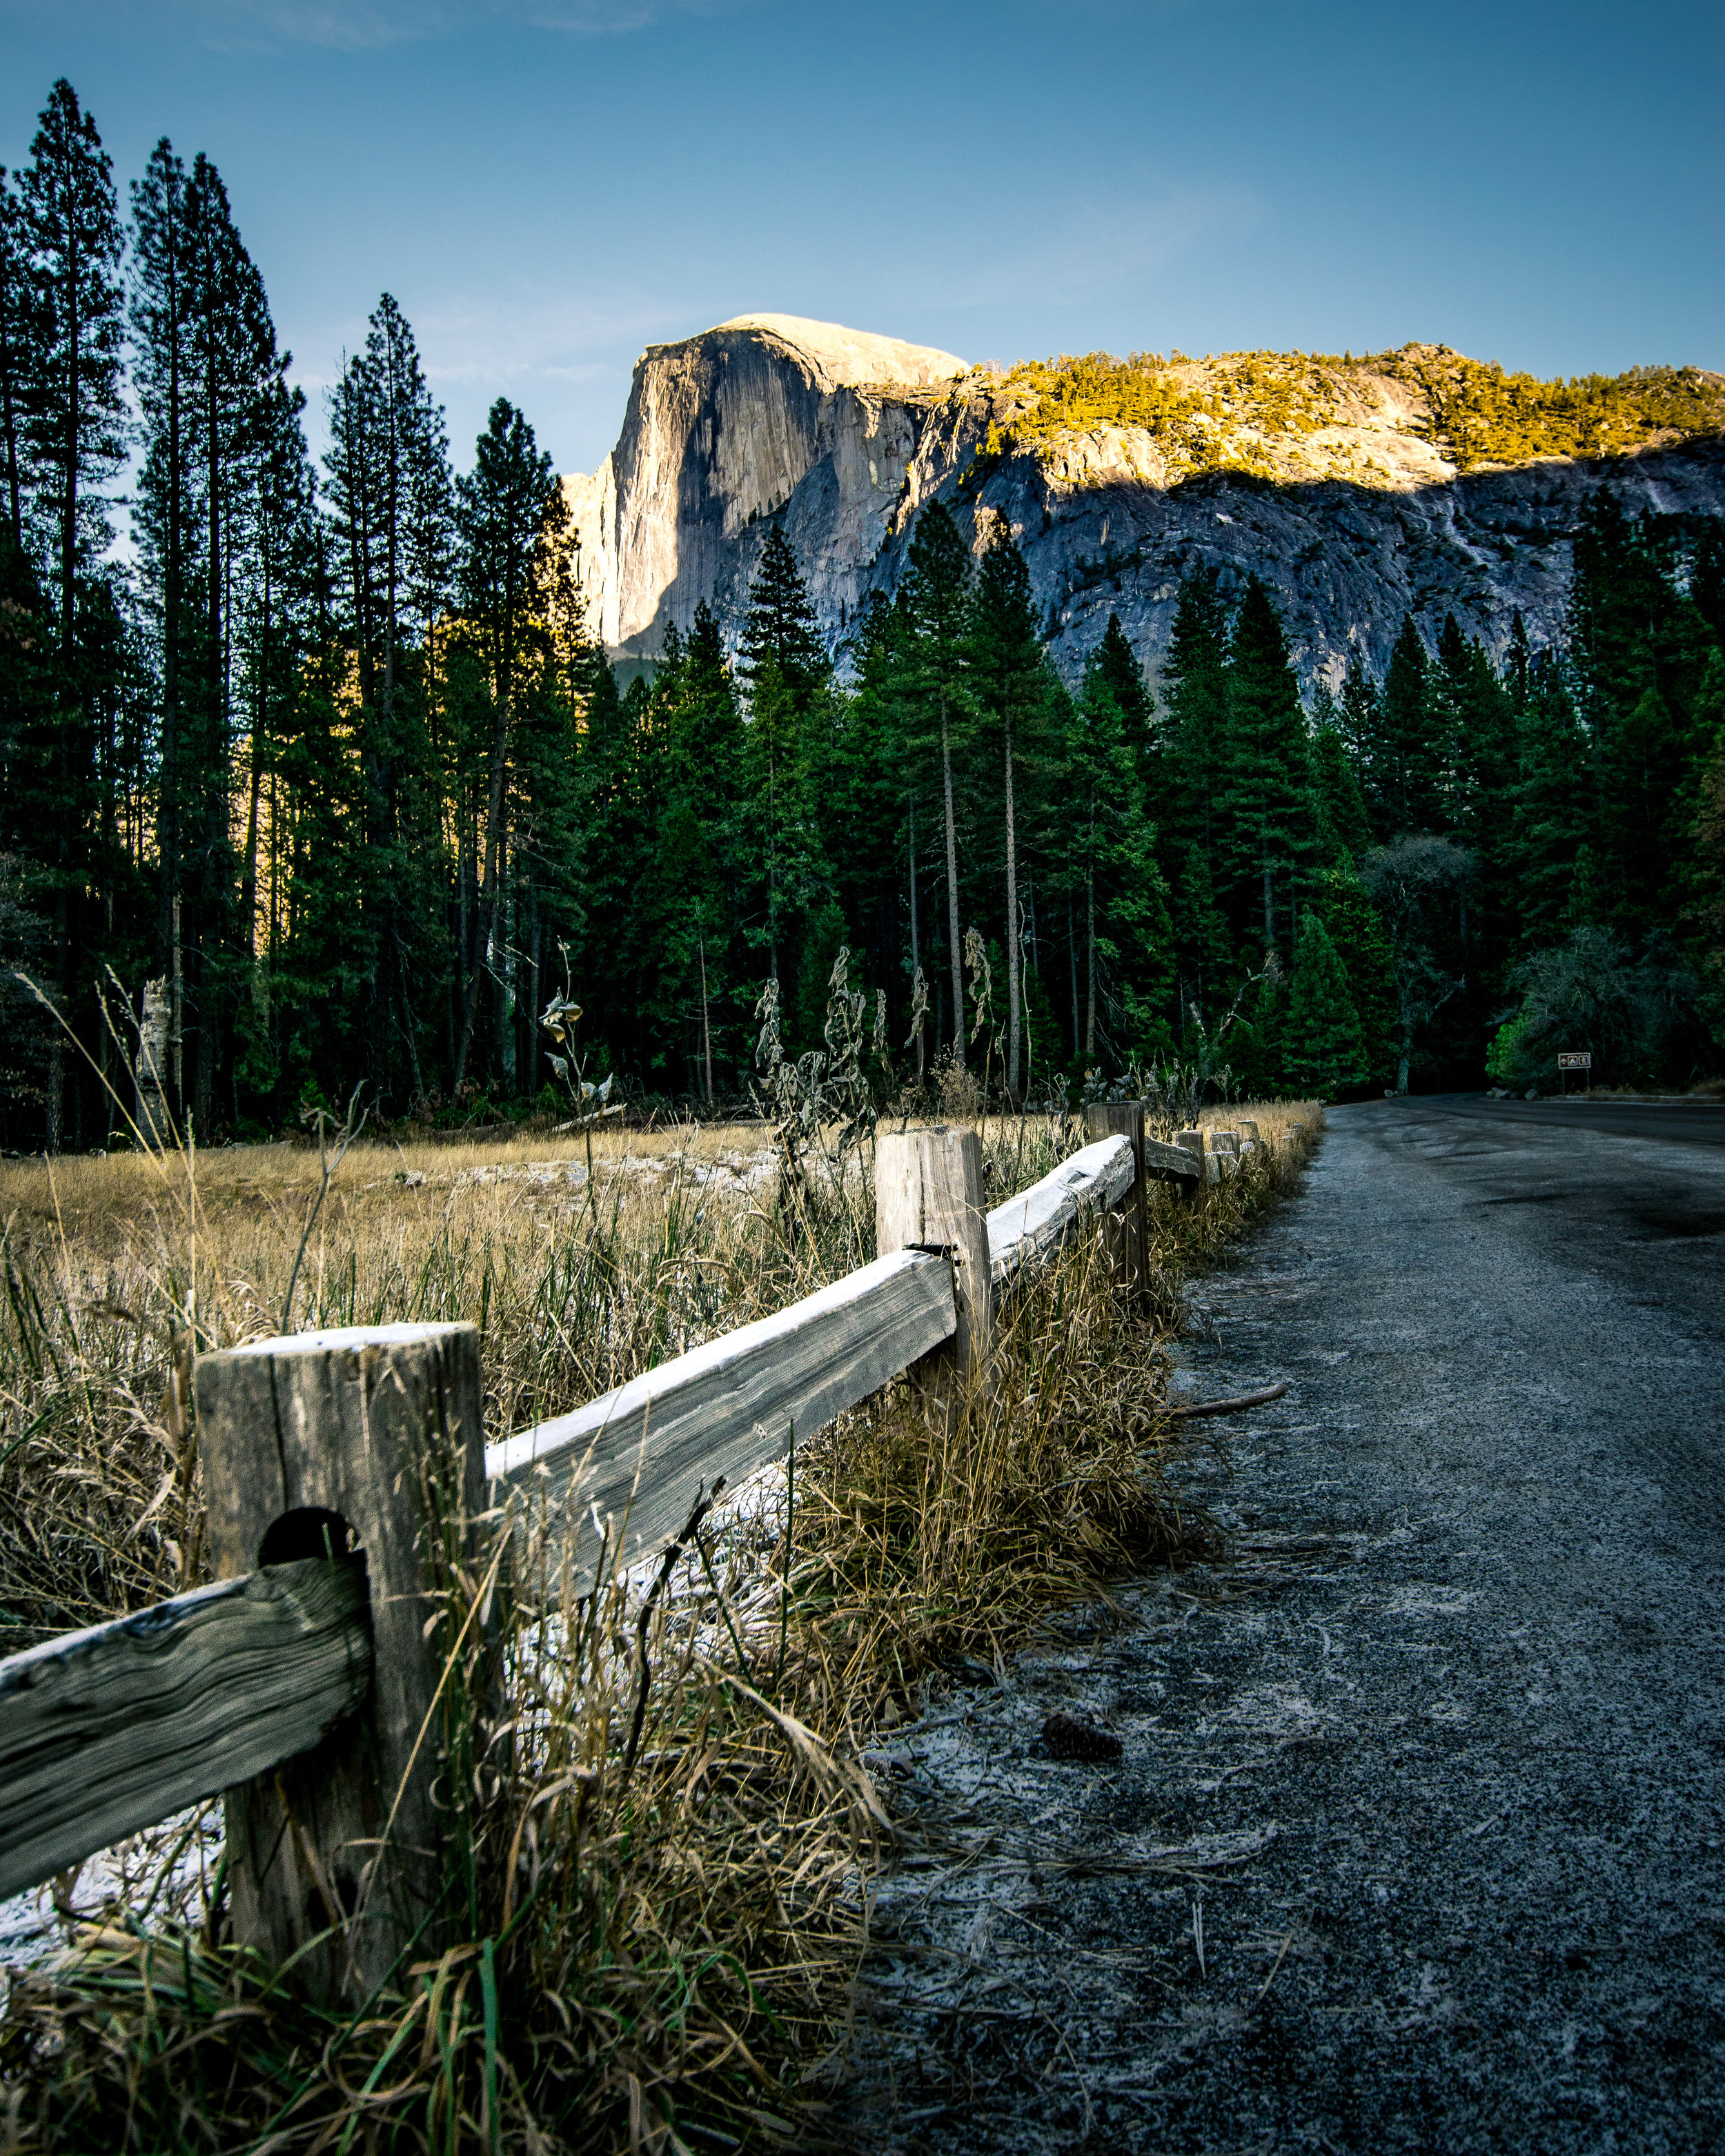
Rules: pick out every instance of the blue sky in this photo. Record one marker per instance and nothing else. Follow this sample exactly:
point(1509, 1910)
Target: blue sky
point(547, 185)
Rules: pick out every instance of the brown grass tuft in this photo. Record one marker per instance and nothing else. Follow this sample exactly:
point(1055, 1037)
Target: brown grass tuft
point(664, 1845)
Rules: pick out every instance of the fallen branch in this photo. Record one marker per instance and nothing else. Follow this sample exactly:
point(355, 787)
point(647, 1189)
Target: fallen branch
point(1228, 1407)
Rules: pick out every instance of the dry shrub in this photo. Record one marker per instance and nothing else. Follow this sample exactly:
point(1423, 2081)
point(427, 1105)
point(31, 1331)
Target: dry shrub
point(663, 1848)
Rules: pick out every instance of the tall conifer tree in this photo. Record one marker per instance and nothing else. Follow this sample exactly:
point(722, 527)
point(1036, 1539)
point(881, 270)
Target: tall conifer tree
point(20, 358)
point(938, 589)
point(75, 415)
point(511, 534)
point(1009, 682)
point(1195, 691)
point(1267, 833)
point(1322, 1044)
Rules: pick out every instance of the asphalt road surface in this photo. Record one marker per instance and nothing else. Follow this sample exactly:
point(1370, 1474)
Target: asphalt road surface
point(1418, 1841)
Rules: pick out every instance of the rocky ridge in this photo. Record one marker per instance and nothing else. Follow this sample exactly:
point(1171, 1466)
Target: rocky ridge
point(1330, 480)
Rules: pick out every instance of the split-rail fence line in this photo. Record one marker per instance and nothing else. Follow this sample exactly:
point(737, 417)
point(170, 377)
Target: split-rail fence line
point(339, 1476)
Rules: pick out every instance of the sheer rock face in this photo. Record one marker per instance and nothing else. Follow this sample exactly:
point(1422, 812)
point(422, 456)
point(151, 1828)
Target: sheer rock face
point(843, 437)
point(767, 415)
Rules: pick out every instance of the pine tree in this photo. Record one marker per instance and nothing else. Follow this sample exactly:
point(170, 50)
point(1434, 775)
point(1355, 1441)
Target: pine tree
point(703, 985)
point(1357, 930)
point(390, 491)
point(1264, 835)
point(1343, 832)
point(234, 366)
point(74, 412)
point(1195, 688)
point(1323, 1049)
point(789, 676)
point(275, 646)
point(1009, 685)
point(21, 368)
point(510, 527)
point(1551, 803)
point(780, 626)
point(1359, 720)
point(1705, 914)
point(938, 588)
point(77, 409)
point(1403, 781)
point(888, 805)
point(1124, 678)
point(1475, 723)
point(1639, 647)
point(1108, 857)
point(162, 322)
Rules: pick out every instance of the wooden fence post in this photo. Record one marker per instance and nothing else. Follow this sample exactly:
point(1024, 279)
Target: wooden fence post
point(1192, 1142)
point(928, 1196)
point(371, 1442)
point(1128, 1227)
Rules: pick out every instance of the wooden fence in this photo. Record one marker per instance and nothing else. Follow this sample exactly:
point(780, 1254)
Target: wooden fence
point(342, 1479)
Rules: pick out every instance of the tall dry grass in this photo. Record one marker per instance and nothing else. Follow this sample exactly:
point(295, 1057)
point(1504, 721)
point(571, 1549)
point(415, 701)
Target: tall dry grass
point(659, 1880)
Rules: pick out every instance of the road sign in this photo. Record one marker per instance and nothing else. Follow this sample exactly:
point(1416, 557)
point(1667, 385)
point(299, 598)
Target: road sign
point(1577, 1058)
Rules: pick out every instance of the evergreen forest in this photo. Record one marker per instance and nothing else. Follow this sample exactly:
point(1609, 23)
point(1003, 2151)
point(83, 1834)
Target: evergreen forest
point(325, 747)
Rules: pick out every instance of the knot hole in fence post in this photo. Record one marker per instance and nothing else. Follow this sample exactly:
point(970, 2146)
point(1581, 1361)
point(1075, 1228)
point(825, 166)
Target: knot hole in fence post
point(368, 1443)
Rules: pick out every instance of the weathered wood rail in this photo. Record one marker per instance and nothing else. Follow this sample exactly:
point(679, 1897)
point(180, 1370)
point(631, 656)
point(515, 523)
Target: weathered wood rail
point(644, 1452)
point(106, 1731)
point(303, 1686)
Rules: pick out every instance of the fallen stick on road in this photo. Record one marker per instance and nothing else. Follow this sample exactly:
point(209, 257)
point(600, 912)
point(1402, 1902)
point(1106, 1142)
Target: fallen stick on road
point(1228, 1407)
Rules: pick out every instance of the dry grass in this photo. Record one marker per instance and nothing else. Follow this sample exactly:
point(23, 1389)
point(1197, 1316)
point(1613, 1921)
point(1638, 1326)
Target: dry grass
point(657, 1937)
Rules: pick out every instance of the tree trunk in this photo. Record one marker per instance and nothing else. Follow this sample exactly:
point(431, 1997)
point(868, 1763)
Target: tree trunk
point(167, 814)
point(536, 998)
point(916, 953)
point(1012, 930)
point(54, 1119)
point(248, 881)
point(54, 1129)
point(491, 890)
point(503, 971)
point(1269, 910)
point(1072, 967)
point(952, 895)
point(214, 832)
point(706, 1037)
point(407, 1009)
point(1090, 938)
point(177, 1011)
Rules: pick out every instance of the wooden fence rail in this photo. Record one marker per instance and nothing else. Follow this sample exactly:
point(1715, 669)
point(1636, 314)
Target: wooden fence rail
point(303, 1686)
point(107, 1730)
point(728, 1408)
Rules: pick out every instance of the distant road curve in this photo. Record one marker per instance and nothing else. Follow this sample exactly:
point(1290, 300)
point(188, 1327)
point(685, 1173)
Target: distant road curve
point(1689, 1122)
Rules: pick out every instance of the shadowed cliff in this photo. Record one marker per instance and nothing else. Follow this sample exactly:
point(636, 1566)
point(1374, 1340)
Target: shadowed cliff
point(1349, 504)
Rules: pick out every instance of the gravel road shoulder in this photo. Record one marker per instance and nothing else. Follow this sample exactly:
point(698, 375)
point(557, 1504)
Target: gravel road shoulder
point(1418, 1841)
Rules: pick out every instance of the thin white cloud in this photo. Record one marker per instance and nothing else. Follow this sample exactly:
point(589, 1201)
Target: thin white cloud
point(364, 25)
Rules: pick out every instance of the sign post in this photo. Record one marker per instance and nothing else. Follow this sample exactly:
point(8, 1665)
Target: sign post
point(1574, 1059)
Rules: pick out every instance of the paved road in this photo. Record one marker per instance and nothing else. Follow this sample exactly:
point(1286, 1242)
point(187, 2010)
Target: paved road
point(1683, 1122)
point(1419, 1840)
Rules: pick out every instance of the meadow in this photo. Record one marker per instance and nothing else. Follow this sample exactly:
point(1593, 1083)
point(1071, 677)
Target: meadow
point(666, 1840)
